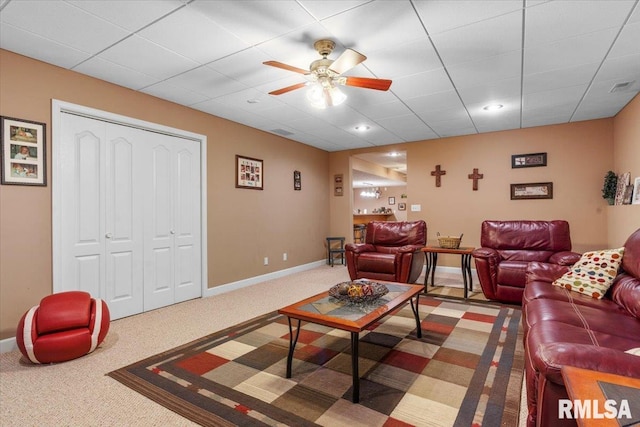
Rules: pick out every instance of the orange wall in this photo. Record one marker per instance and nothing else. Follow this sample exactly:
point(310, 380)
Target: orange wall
point(244, 226)
point(579, 155)
point(624, 220)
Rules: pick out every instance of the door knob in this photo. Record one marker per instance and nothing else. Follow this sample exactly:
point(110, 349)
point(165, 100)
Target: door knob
point(108, 235)
point(172, 232)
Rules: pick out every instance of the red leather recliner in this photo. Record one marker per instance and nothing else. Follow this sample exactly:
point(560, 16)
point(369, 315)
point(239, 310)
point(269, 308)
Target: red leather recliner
point(507, 247)
point(391, 252)
point(64, 326)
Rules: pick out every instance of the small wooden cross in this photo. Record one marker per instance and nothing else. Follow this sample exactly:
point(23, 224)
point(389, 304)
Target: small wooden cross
point(475, 176)
point(438, 173)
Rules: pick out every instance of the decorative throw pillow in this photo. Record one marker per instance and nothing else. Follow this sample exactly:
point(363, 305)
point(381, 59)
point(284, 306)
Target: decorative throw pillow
point(593, 274)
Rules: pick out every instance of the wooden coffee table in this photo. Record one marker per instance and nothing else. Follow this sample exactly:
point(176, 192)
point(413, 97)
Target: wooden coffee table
point(325, 310)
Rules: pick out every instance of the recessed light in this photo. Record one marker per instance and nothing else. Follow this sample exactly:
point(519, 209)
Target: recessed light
point(362, 128)
point(492, 107)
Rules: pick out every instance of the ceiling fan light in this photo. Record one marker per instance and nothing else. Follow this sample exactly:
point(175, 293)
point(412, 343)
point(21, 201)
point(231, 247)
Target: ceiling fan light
point(315, 95)
point(337, 96)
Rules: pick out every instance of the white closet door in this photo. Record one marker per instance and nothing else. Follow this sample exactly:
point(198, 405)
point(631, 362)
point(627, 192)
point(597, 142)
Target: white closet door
point(187, 221)
point(101, 237)
point(81, 210)
point(172, 222)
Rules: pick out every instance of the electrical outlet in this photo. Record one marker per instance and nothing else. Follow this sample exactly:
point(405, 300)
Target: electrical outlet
point(284, 256)
point(266, 260)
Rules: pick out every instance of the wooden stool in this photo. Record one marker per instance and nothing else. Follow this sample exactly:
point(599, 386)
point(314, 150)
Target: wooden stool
point(333, 249)
point(359, 232)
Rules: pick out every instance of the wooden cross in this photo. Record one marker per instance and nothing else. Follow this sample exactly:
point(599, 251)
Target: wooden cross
point(475, 176)
point(438, 173)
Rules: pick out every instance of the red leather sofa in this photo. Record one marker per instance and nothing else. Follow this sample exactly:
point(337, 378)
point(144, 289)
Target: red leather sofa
point(391, 252)
point(563, 327)
point(62, 327)
point(508, 246)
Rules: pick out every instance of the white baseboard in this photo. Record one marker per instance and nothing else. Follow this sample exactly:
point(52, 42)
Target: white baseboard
point(8, 344)
point(258, 279)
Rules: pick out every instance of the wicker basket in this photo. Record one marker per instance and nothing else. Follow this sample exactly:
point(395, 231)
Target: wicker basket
point(449, 242)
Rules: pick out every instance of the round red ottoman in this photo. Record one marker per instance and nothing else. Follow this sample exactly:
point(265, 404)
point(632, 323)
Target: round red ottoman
point(64, 326)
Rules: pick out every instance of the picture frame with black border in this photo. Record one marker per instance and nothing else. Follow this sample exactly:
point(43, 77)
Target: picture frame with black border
point(533, 190)
point(402, 206)
point(531, 160)
point(249, 173)
point(23, 152)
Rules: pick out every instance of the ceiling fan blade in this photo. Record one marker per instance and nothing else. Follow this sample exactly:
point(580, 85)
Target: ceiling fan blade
point(365, 82)
point(287, 89)
point(286, 67)
point(349, 59)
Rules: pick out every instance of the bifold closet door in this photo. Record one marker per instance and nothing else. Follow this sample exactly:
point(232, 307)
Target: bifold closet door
point(172, 213)
point(101, 235)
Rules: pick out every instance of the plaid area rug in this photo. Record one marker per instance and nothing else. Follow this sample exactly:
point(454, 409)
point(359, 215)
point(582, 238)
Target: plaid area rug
point(466, 370)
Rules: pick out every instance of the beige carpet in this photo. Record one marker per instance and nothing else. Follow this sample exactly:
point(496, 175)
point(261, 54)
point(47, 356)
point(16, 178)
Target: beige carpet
point(78, 393)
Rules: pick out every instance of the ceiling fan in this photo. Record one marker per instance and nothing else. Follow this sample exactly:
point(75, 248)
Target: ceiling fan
point(324, 75)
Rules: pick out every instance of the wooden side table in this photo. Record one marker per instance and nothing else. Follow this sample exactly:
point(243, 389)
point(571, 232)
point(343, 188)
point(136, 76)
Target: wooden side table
point(586, 386)
point(431, 255)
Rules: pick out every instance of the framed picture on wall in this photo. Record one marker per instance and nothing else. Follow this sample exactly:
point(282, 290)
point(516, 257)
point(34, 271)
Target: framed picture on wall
point(249, 173)
point(402, 206)
point(22, 148)
point(528, 160)
point(297, 180)
point(534, 190)
point(635, 200)
point(392, 200)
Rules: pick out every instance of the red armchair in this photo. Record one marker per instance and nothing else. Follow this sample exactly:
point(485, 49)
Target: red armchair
point(391, 252)
point(64, 326)
point(506, 249)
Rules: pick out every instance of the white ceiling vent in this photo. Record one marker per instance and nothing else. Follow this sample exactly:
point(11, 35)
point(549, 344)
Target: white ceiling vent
point(621, 87)
point(281, 132)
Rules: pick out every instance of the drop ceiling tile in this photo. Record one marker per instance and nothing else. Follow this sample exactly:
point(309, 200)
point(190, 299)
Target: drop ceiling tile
point(247, 67)
point(558, 20)
point(448, 126)
point(510, 120)
point(193, 35)
point(114, 73)
point(148, 58)
point(26, 43)
point(360, 28)
point(491, 93)
point(620, 69)
point(510, 106)
point(62, 22)
point(367, 99)
point(584, 49)
point(553, 115)
point(598, 108)
point(443, 15)
point(259, 20)
point(435, 102)
point(484, 39)
point(565, 95)
point(627, 42)
point(408, 127)
point(602, 90)
point(381, 137)
point(458, 113)
point(422, 84)
point(168, 91)
point(487, 70)
point(131, 14)
point(207, 82)
point(558, 78)
point(322, 9)
point(391, 109)
point(405, 59)
point(282, 113)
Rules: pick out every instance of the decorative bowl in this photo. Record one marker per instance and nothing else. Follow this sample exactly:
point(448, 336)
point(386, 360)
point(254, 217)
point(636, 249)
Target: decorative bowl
point(358, 291)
